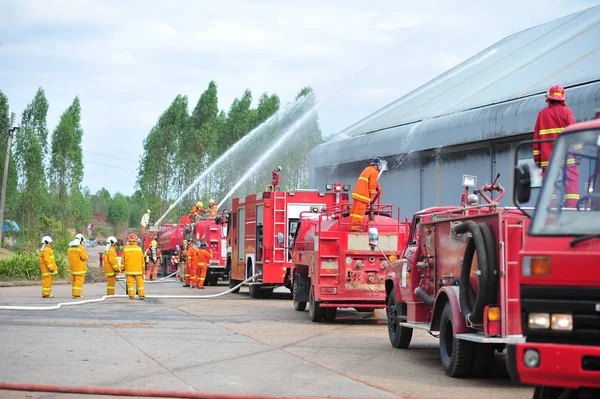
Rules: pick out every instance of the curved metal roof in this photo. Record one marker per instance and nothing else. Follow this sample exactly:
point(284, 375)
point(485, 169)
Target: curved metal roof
point(497, 92)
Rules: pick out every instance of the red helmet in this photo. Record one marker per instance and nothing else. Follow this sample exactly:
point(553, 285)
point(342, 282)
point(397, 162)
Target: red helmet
point(557, 93)
point(131, 237)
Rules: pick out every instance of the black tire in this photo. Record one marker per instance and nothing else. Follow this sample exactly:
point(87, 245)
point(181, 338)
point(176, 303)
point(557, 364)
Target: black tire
point(400, 337)
point(213, 279)
point(315, 313)
point(298, 305)
point(483, 359)
point(267, 293)
point(329, 314)
point(233, 283)
point(456, 355)
point(475, 245)
point(254, 291)
point(542, 392)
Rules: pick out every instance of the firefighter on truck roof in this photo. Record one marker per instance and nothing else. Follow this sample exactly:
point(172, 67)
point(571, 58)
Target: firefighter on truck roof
point(364, 192)
point(212, 208)
point(196, 211)
point(550, 122)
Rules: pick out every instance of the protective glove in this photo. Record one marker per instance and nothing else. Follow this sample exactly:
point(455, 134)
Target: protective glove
point(55, 271)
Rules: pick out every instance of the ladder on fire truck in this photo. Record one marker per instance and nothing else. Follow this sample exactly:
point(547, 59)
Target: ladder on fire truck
point(279, 225)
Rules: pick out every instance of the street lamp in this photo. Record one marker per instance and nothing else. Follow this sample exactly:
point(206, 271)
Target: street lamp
point(11, 132)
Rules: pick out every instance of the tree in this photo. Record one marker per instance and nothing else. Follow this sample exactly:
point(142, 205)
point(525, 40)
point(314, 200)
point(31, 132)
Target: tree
point(118, 210)
point(101, 201)
point(10, 211)
point(66, 156)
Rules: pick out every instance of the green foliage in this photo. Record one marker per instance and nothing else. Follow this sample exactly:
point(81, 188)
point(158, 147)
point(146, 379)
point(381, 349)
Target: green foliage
point(100, 201)
point(118, 210)
point(26, 266)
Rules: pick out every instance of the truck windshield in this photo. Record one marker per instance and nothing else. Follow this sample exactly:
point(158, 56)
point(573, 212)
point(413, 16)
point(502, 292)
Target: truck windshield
point(569, 201)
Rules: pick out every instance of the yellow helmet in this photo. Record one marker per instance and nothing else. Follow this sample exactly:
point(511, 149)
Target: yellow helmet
point(148, 210)
point(153, 243)
point(212, 201)
point(199, 204)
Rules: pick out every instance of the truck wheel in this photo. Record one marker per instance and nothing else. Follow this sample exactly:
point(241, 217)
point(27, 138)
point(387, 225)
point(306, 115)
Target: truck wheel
point(483, 359)
point(268, 293)
point(233, 283)
point(456, 355)
point(548, 392)
point(298, 306)
point(399, 336)
point(329, 314)
point(213, 280)
point(254, 291)
point(315, 313)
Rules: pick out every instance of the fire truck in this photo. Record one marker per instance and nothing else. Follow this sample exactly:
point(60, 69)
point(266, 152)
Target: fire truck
point(259, 230)
point(457, 279)
point(334, 268)
point(560, 273)
point(209, 230)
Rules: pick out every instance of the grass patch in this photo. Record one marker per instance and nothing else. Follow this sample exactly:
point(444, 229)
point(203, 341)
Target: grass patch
point(26, 266)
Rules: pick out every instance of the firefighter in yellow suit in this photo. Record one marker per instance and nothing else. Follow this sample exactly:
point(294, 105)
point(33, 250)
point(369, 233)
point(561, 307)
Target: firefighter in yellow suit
point(111, 265)
point(133, 263)
point(77, 256)
point(48, 266)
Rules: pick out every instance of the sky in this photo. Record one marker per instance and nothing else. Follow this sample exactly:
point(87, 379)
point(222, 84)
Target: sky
point(128, 60)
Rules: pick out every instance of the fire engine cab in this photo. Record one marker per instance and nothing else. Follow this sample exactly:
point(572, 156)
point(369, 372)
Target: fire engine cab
point(559, 271)
point(259, 231)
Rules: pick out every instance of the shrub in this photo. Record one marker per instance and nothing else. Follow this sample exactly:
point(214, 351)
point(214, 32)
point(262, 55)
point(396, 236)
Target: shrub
point(26, 266)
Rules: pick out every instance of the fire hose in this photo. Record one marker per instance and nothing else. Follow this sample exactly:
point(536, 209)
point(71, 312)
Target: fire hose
point(105, 297)
point(88, 390)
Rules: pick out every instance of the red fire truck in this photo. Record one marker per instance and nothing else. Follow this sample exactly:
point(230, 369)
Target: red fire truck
point(259, 232)
point(334, 268)
point(472, 305)
point(560, 273)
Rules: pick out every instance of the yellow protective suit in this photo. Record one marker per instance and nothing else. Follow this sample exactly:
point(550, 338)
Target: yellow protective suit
point(49, 269)
point(111, 269)
point(133, 263)
point(77, 257)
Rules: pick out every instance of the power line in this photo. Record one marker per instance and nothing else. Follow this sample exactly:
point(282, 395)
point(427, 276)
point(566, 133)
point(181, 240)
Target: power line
point(111, 157)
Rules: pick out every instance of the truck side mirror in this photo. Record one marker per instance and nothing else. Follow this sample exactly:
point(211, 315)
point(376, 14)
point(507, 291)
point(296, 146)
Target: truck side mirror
point(522, 184)
point(280, 239)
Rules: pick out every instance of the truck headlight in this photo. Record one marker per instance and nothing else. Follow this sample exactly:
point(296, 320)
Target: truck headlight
point(538, 321)
point(531, 358)
point(562, 322)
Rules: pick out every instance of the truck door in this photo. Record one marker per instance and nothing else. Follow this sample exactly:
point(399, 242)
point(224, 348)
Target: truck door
point(259, 234)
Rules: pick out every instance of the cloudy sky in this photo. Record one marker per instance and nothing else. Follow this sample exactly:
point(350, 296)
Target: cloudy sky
point(127, 60)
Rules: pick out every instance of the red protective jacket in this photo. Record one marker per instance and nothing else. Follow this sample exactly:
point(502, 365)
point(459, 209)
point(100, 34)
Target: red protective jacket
point(550, 122)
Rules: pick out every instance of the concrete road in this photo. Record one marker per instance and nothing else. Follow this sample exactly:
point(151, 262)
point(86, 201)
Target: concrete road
point(232, 344)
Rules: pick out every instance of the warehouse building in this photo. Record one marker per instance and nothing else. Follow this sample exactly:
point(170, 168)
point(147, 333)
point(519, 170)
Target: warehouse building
point(470, 119)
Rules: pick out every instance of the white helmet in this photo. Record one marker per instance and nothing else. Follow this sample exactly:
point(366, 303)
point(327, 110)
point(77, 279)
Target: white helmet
point(46, 240)
point(80, 237)
point(111, 240)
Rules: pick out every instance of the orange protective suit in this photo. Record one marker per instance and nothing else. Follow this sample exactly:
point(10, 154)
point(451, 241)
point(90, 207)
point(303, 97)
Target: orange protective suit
point(49, 269)
point(133, 263)
point(196, 210)
point(151, 264)
point(111, 269)
point(212, 210)
point(77, 256)
point(203, 257)
point(363, 194)
point(191, 277)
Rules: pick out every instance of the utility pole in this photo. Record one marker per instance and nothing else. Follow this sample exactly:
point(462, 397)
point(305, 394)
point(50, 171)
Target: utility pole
point(5, 177)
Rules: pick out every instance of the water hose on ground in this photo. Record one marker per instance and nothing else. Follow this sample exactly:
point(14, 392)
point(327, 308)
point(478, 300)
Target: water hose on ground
point(105, 297)
point(155, 393)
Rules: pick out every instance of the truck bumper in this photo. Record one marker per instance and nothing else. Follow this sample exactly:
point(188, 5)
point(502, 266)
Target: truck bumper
point(566, 366)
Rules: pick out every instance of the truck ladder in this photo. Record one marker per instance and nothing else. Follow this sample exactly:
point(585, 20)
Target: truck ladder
point(280, 225)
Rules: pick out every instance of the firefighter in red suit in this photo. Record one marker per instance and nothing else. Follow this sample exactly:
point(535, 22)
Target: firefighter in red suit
point(274, 179)
point(551, 121)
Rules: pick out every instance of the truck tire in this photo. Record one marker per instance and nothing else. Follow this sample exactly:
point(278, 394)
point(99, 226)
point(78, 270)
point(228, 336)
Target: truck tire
point(456, 354)
point(233, 283)
point(315, 313)
point(542, 392)
point(329, 314)
point(299, 306)
point(254, 291)
point(266, 293)
point(212, 279)
point(400, 337)
point(475, 245)
point(483, 359)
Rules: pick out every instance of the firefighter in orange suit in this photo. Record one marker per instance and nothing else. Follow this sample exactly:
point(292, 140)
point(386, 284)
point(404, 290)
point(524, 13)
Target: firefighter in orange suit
point(196, 211)
point(77, 256)
point(133, 263)
point(551, 121)
point(364, 192)
point(111, 265)
point(191, 276)
point(212, 208)
point(203, 257)
point(153, 260)
point(48, 266)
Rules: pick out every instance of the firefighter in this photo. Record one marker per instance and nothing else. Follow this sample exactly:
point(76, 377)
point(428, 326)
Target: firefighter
point(197, 210)
point(274, 179)
point(48, 266)
point(77, 256)
point(133, 263)
point(175, 260)
point(203, 257)
point(364, 192)
point(183, 254)
point(191, 277)
point(153, 259)
point(111, 265)
point(212, 208)
point(145, 220)
point(550, 122)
